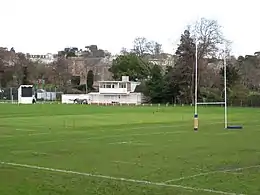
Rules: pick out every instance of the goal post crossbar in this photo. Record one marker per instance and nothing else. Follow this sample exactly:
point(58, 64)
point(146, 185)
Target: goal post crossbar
point(210, 103)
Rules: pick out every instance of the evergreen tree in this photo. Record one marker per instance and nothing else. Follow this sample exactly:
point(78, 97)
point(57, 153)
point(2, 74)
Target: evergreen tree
point(171, 88)
point(90, 80)
point(154, 86)
point(183, 72)
point(25, 79)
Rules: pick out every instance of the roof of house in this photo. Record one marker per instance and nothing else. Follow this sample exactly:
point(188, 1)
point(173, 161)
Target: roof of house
point(98, 93)
point(114, 81)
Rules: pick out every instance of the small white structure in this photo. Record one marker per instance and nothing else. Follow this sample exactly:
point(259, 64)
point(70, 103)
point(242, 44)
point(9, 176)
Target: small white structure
point(116, 92)
point(25, 94)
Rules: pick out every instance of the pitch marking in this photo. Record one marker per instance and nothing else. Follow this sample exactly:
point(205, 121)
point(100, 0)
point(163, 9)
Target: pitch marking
point(116, 178)
point(26, 130)
point(110, 136)
point(130, 143)
point(117, 129)
point(125, 162)
point(212, 172)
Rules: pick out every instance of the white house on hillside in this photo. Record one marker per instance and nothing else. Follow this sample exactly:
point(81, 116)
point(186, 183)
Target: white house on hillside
point(46, 59)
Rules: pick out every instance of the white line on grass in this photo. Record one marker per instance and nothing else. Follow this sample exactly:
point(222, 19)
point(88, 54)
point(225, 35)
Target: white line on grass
point(116, 178)
point(97, 138)
point(130, 143)
point(120, 143)
point(26, 130)
point(225, 133)
point(21, 151)
point(212, 172)
point(29, 152)
point(140, 144)
point(150, 126)
point(128, 135)
point(25, 135)
point(36, 134)
point(125, 162)
point(109, 136)
point(6, 136)
point(65, 132)
point(84, 132)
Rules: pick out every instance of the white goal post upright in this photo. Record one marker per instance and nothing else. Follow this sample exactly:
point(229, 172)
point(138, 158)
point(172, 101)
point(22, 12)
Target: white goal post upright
point(196, 117)
point(225, 88)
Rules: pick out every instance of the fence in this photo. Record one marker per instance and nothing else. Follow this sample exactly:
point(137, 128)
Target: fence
point(52, 94)
point(48, 94)
point(10, 95)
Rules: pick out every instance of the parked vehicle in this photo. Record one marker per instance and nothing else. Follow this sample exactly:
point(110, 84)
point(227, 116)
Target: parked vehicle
point(80, 101)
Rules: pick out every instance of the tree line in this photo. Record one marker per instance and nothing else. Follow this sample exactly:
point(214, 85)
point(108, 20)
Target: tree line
point(175, 84)
point(145, 62)
point(17, 69)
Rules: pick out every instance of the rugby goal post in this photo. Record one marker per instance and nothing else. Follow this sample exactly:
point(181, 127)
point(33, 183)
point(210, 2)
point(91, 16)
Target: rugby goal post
point(196, 103)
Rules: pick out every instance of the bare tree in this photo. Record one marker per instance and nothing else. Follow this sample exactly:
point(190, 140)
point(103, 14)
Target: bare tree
point(124, 51)
point(61, 73)
point(249, 69)
point(23, 69)
point(211, 45)
point(2, 67)
point(140, 44)
point(143, 46)
point(154, 48)
point(210, 38)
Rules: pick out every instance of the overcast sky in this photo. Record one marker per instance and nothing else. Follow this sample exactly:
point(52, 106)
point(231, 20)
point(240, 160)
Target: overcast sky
point(41, 26)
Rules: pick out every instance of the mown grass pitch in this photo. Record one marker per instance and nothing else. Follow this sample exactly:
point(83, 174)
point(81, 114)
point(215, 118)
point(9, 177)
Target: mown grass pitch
point(79, 149)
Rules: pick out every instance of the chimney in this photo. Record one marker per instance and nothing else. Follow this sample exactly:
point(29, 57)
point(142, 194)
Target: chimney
point(125, 78)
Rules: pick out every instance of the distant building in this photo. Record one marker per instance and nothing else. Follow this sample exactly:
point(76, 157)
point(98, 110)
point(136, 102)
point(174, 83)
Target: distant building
point(80, 66)
point(116, 92)
point(163, 60)
point(110, 92)
point(46, 59)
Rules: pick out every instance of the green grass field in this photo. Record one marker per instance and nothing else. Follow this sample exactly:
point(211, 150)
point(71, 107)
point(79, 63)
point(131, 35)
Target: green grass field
point(117, 150)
